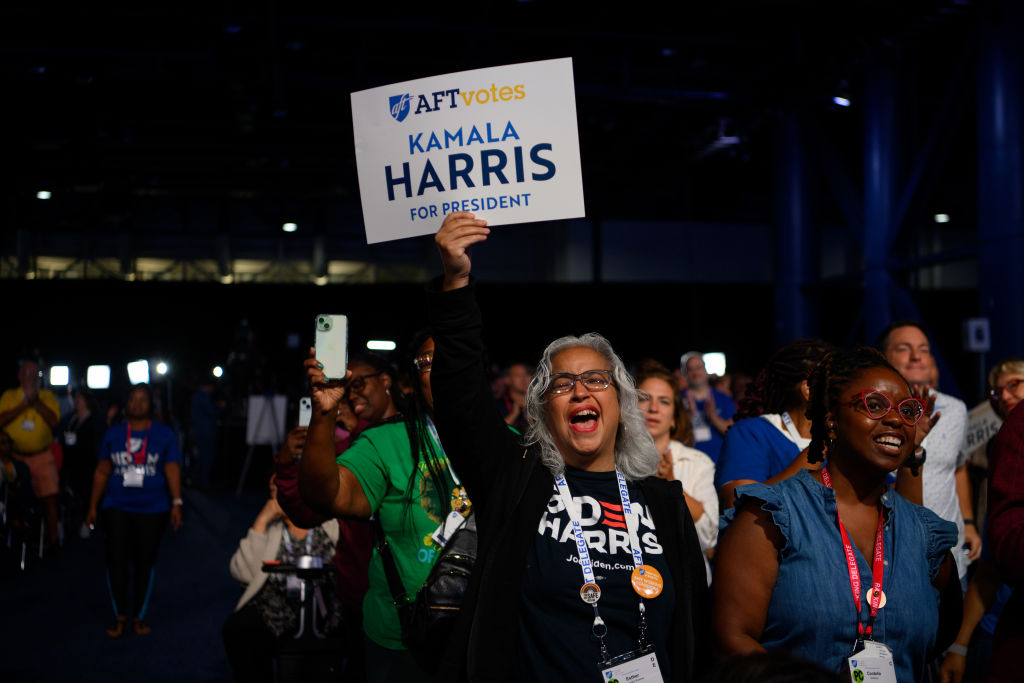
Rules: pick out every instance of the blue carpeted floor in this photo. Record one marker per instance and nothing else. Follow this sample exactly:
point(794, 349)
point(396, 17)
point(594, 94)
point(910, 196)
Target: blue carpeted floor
point(53, 614)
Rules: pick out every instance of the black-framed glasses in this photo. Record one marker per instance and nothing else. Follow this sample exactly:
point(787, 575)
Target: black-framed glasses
point(1011, 386)
point(424, 362)
point(593, 380)
point(357, 382)
point(877, 405)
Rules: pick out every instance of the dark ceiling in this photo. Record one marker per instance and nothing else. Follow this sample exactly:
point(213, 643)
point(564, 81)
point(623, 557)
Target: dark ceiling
point(163, 127)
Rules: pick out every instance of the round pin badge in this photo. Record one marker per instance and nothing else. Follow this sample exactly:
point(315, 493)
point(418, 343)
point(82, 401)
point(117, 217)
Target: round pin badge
point(647, 581)
point(871, 595)
point(590, 593)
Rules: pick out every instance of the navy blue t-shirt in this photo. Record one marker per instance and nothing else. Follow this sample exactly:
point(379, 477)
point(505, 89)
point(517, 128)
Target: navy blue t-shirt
point(161, 448)
point(555, 625)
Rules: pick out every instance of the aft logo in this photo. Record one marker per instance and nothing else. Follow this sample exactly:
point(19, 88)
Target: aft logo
point(399, 105)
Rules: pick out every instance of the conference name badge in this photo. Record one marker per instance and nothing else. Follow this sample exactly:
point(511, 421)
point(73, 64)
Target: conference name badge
point(640, 666)
point(872, 663)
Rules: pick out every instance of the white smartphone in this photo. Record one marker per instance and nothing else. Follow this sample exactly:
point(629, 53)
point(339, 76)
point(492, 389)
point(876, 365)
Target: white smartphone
point(332, 344)
point(305, 411)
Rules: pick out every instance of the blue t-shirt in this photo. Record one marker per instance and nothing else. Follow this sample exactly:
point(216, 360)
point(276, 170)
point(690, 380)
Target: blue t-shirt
point(161, 448)
point(707, 438)
point(811, 613)
point(753, 449)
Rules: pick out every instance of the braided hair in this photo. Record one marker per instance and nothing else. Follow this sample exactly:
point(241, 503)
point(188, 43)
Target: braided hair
point(415, 412)
point(827, 383)
point(777, 387)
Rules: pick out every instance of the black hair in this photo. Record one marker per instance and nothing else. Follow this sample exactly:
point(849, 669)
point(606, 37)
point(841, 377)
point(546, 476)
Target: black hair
point(777, 387)
point(421, 443)
point(90, 399)
point(827, 382)
point(882, 343)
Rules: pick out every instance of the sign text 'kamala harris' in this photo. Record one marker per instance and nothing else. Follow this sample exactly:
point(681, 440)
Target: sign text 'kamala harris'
point(499, 142)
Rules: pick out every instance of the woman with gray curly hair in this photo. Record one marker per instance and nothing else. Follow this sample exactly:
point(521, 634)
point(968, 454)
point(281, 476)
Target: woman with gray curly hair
point(588, 565)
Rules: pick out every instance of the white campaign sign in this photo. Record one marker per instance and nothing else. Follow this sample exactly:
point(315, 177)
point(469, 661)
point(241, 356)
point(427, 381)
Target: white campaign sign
point(499, 142)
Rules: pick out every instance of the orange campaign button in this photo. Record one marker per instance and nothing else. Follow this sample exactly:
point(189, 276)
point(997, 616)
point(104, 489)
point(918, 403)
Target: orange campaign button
point(647, 581)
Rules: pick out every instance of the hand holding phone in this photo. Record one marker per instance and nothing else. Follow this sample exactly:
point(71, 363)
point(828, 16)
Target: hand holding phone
point(331, 343)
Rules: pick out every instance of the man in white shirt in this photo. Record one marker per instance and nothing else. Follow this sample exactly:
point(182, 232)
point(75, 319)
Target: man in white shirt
point(946, 486)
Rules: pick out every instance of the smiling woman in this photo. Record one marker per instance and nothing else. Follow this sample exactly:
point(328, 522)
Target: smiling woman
point(783, 539)
point(584, 556)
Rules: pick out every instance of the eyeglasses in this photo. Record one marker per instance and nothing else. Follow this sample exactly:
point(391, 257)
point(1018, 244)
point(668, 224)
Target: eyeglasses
point(878, 405)
point(1011, 386)
point(593, 380)
point(424, 362)
point(357, 382)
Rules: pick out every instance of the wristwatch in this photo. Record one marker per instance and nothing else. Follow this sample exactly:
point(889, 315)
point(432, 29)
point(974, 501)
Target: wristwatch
point(177, 501)
point(916, 459)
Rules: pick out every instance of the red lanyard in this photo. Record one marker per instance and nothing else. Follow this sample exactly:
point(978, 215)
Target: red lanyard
point(128, 445)
point(851, 564)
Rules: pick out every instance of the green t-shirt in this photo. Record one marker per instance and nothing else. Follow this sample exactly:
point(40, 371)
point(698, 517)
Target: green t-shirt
point(381, 461)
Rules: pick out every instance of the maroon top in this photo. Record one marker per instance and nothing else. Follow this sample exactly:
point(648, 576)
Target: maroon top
point(1006, 536)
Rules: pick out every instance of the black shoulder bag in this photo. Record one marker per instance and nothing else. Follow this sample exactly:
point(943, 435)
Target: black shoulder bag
point(428, 619)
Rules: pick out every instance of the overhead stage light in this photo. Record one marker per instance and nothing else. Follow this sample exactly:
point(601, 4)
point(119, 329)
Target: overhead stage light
point(289, 227)
point(942, 218)
point(43, 194)
point(218, 371)
point(161, 368)
point(381, 345)
point(98, 377)
point(59, 375)
point(714, 363)
point(138, 372)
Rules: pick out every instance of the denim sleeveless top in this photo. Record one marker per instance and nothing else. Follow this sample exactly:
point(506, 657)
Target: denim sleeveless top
point(811, 614)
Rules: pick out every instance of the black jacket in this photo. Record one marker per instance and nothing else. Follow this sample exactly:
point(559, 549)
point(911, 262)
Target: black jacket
point(509, 488)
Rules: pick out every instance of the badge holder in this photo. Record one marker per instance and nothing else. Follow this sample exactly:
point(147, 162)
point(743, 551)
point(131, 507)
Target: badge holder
point(872, 662)
point(134, 475)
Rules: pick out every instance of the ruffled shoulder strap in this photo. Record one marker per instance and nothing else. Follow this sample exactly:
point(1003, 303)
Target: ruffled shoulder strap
point(940, 536)
point(771, 502)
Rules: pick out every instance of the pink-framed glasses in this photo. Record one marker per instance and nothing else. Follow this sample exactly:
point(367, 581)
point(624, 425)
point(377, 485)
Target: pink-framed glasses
point(877, 405)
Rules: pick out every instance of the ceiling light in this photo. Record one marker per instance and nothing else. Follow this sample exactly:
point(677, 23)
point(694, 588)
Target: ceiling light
point(98, 377)
point(59, 375)
point(714, 363)
point(138, 372)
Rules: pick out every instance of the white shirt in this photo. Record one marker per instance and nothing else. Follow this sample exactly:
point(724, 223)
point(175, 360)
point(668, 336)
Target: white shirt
point(696, 472)
point(944, 457)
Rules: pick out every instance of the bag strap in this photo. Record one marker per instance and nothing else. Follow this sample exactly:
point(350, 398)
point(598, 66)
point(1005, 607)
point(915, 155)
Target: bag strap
point(398, 594)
